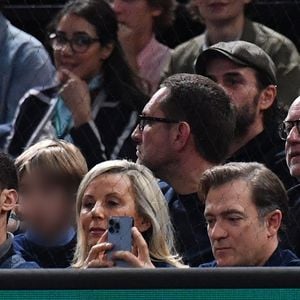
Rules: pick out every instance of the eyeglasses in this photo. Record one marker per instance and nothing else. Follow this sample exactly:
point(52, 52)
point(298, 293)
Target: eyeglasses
point(286, 127)
point(144, 120)
point(79, 43)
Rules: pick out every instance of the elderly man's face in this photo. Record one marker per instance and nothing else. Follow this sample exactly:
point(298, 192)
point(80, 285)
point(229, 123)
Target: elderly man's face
point(238, 235)
point(292, 145)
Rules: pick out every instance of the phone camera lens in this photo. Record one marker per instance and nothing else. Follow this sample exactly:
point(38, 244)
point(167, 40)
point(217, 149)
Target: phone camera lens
point(117, 226)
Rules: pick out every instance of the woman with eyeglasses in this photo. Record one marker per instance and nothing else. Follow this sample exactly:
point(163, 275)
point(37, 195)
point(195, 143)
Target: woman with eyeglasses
point(97, 99)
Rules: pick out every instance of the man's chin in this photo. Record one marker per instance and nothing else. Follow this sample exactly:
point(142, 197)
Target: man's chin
point(295, 172)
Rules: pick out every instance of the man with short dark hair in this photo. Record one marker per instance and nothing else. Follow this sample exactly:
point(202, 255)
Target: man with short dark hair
point(8, 199)
point(246, 205)
point(225, 21)
point(248, 75)
point(185, 129)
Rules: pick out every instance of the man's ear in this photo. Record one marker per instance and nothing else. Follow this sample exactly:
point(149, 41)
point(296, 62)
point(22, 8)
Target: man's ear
point(273, 220)
point(267, 97)
point(182, 135)
point(8, 199)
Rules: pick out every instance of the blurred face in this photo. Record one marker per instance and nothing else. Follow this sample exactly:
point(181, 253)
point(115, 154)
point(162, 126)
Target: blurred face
point(241, 85)
point(215, 11)
point(135, 14)
point(87, 64)
point(154, 144)
point(108, 195)
point(47, 208)
point(238, 237)
point(292, 145)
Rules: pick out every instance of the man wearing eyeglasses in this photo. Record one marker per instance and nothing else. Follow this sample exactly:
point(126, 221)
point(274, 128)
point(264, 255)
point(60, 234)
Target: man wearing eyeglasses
point(185, 129)
point(289, 131)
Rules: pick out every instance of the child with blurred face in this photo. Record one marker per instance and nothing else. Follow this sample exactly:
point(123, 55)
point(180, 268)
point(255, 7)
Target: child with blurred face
point(50, 172)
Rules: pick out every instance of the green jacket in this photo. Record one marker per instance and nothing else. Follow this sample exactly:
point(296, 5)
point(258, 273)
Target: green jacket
point(283, 52)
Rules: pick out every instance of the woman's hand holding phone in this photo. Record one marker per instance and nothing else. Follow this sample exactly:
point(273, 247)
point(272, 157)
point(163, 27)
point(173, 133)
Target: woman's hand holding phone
point(138, 258)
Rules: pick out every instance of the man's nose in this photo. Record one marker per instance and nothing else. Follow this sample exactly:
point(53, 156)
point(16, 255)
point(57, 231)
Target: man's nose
point(136, 135)
point(293, 136)
point(218, 231)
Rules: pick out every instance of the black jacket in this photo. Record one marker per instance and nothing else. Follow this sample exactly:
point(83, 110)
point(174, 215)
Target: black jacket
point(266, 148)
point(107, 136)
point(293, 226)
point(187, 216)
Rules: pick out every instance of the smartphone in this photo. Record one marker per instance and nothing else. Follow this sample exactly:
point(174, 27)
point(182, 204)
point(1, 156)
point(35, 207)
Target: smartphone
point(119, 235)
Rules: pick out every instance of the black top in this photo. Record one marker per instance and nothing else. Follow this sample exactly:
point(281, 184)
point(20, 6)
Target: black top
point(293, 226)
point(187, 215)
point(279, 258)
point(45, 257)
point(107, 136)
point(266, 148)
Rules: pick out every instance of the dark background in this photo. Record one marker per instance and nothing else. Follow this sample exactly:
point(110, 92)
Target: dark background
point(283, 16)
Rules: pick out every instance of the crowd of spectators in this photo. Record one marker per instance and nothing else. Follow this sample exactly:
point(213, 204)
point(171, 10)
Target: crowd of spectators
point(199, 145)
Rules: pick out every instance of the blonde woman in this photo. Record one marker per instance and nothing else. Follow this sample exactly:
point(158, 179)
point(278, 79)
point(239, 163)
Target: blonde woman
point(122, 188)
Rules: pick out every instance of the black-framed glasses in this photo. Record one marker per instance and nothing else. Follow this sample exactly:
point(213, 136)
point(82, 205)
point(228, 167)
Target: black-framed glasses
point(286, 127)
point(144, 120)
point(79, 43)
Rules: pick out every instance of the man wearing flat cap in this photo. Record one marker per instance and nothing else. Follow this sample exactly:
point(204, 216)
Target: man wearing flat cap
point(248, 75)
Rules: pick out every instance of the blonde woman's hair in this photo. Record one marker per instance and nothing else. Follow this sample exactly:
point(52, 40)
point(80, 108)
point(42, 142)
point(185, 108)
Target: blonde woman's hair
point(150, 204)
point(59, 161)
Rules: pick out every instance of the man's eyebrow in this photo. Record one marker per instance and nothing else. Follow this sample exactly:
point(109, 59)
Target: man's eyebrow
point(225, 213)
point(231, 212)
point(208, 214)
point(233, 74)
point(227, 74)
point(291, 120)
